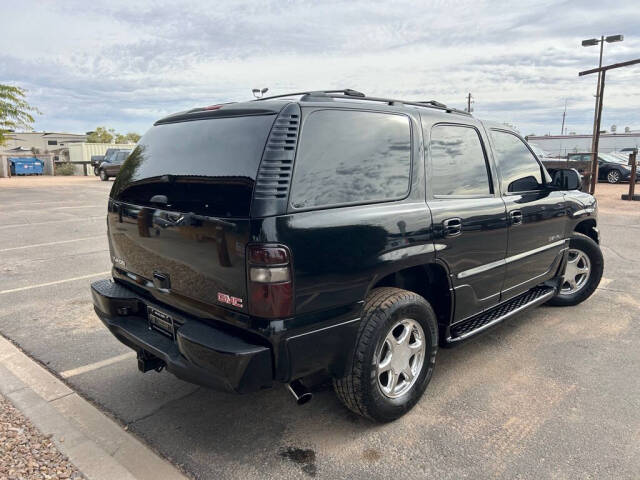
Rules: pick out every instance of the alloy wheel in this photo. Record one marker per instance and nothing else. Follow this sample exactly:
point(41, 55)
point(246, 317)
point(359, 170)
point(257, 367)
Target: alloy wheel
point(576, 275)
point(400, 357)
point(613, 176)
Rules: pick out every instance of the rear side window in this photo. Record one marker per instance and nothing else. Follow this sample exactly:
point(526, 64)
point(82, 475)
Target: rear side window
point(520, 170)
point(458, 162)
point(347, 157)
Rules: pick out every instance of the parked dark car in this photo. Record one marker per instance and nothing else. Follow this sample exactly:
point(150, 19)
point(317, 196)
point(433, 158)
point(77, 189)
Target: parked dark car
point(111, 166)
point(108, 156)
point(96, 160)
point(611, 168)
point(334, 234)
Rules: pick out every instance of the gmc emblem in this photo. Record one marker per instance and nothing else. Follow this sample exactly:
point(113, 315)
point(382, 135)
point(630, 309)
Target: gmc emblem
point(228, 299)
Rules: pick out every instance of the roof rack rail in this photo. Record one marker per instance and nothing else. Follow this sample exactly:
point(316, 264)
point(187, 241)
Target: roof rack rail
point(356, 95)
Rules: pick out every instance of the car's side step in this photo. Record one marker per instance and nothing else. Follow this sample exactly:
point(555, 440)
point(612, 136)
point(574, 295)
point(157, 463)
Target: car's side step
point(473, 325)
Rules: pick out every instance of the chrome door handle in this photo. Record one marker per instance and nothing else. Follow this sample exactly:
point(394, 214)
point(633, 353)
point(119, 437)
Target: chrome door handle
point(516, 217)
point(452, 227)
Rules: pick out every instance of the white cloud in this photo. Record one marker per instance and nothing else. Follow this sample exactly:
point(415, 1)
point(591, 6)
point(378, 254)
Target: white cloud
point(124, 65)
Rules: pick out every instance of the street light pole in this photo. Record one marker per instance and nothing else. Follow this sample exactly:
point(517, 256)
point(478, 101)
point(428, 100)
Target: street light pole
point(598, 107)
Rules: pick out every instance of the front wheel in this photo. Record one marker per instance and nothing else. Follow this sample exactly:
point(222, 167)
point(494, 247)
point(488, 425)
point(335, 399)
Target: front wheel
point(394, 355)
point(95, 171)
point(103, 176)
point(583, 272)
point(613, 176)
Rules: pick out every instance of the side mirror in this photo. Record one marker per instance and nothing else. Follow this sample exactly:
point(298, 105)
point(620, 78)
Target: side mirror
point(566, 179)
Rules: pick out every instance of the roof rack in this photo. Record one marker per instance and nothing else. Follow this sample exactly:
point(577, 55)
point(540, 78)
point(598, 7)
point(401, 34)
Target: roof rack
point(355, 95)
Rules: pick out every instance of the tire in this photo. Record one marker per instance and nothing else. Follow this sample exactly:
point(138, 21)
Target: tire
point(95, 171)
point(103, 176)
point(361, 389)
point(585, 245)
point(614, 176)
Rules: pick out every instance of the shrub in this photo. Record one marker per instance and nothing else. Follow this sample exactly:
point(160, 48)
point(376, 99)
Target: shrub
point(65, 169)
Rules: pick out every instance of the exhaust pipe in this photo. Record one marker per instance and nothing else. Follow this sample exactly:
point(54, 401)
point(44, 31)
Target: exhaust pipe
point(299, 392)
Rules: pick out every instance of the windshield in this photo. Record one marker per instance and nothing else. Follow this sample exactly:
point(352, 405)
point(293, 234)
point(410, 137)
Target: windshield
point(608, 157)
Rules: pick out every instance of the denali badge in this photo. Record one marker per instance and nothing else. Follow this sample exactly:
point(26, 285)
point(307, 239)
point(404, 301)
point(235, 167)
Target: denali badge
point(235, 301)
point(119, 261)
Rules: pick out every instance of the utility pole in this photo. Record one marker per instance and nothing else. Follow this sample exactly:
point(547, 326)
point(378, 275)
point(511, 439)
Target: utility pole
point(469, 100)
point(596, 137)
point(563, 116)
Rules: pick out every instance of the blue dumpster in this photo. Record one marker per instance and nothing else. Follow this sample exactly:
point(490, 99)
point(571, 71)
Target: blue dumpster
point(26, 166)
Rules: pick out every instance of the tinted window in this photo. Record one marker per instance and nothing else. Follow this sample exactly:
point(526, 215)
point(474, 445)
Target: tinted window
point(520, 170)
point(458, 164)
point(350, 157)
point(203, 166)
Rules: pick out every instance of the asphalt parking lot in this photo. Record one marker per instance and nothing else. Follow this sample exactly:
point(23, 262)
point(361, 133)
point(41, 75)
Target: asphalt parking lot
point(553, 393)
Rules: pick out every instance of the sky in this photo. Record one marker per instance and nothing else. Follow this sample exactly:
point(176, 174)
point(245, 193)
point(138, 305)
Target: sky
point(124, 64)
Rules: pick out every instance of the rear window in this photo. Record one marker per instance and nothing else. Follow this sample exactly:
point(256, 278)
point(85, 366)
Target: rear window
point(206, 167)
point(350, 157)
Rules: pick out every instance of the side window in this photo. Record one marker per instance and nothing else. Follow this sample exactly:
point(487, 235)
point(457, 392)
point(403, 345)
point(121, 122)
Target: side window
point(347, 157)
point(458, 163)
point(122, 156)
point(520, 170)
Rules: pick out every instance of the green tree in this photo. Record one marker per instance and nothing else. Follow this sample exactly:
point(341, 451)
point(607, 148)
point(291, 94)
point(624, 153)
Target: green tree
point(14, 111)
point(101, 135)
point(130, 137)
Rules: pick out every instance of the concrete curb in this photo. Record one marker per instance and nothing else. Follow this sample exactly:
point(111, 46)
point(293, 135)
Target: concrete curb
point(94, 443)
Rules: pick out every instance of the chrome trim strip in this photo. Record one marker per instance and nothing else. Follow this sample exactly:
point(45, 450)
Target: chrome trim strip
point(324, 328)
point(513, 258)
point(537, 301)
point(522, 255)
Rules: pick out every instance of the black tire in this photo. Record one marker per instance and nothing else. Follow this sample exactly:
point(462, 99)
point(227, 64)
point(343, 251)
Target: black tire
point(614, 176)
point(359, 389)
point(95, 171)
point(592, 250)
point(103, 176)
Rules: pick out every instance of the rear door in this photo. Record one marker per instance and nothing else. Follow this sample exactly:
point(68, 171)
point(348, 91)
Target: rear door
point(469, 219)
point(179, 212)
point(537, 215)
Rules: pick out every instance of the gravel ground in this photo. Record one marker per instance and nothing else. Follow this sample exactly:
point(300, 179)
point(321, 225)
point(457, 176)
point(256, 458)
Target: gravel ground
point(25, 453)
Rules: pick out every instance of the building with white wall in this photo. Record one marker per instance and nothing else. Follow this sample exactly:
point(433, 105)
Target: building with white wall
point(560, 145)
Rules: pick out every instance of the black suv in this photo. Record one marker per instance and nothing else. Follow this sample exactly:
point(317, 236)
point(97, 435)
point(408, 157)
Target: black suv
point(330, 233)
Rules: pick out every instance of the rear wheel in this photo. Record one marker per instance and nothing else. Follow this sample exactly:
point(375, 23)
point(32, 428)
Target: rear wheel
point(103, 176)
point(394, 355)
point(613, 176)
point(583, 272)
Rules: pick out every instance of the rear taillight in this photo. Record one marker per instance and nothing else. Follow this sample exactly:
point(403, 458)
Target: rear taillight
point(269, 280)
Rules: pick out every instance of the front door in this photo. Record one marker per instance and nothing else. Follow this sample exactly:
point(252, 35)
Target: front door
point(537, 215)
point(468, 214)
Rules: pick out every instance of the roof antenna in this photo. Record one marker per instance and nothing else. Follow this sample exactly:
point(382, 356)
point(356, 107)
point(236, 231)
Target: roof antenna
point(258, 93)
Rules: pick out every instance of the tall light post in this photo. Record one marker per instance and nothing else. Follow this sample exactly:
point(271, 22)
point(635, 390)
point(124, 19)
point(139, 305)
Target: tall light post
point(594, 143)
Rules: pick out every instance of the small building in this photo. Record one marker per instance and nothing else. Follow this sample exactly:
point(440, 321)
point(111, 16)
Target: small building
point(80, 154)
point(55, 143)
point(561, 145)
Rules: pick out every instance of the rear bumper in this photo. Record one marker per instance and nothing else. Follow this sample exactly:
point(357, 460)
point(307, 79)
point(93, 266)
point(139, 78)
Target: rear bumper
point(200, 353)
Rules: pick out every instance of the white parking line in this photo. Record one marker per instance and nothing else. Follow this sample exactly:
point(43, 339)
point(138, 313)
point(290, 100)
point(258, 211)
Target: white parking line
point(94, 366)
point(53, 283)
point(50, 243)
point(51, 221)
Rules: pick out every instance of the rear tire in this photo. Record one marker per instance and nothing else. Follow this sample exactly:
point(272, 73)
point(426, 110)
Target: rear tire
point(390, 315)
point(103, 176)
point(577, 286)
